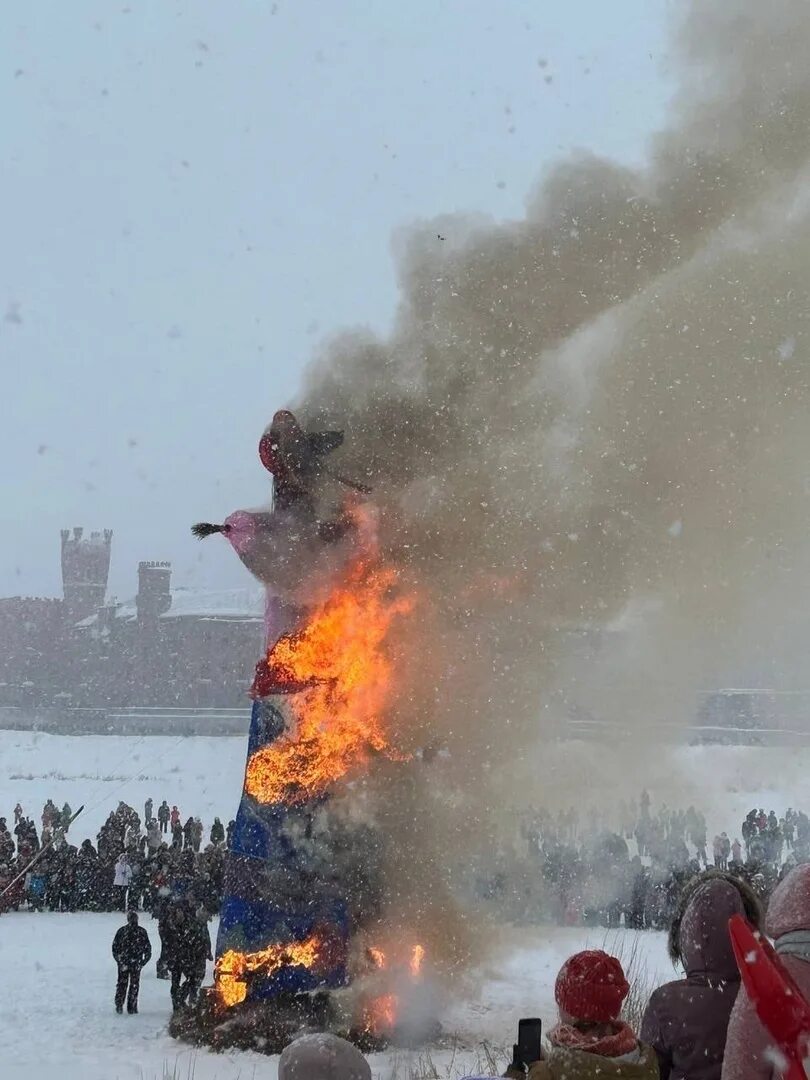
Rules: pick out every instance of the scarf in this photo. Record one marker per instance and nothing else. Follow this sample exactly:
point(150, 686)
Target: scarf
point(620, 1041)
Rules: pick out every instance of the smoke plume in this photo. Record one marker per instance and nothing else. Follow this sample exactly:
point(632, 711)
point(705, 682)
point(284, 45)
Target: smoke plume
point(591, 425)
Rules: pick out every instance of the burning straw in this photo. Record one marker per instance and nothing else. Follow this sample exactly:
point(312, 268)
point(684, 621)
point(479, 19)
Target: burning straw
point(345, 680)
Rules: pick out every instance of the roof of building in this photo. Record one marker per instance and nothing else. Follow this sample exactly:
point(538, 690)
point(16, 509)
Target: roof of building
point(216, 604)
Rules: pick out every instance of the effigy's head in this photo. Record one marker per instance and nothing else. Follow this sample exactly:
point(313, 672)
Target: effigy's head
point(307, 522)
point(295, 457)
point(304, 533)
point(282, 440)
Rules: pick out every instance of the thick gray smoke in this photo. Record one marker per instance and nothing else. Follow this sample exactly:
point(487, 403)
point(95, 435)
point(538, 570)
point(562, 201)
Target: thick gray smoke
point(597, 418)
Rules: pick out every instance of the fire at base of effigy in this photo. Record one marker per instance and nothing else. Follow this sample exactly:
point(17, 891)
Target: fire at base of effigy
point(303, 878)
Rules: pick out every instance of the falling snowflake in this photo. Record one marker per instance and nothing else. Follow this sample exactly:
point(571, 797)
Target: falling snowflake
point(787, 349)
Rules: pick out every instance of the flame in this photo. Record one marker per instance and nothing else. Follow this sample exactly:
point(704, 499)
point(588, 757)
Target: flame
point(417, 956)
point(338, 658)
point(380, 1011)
point(377, 957)
point(233, 968)
point(380, 1014)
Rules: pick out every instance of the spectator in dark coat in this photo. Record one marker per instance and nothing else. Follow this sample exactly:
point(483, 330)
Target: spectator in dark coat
point(686, 1021)
point(163, 911)
point(131, 951)
point(88, 894)
point(49, 814)
point(163, 815)
point(196, 834)
point(217, 832)
point(7, 842)
point(189, 947)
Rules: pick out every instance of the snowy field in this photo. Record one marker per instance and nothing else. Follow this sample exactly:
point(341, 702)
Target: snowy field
point(58, 1021)
point(56, 1014)
point(203, 776)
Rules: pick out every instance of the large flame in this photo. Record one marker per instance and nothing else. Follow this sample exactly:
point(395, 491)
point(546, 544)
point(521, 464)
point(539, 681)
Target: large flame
point(339, 658)
point(234, 968)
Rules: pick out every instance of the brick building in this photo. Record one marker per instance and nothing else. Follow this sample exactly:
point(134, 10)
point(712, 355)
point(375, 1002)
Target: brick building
point(165, 647)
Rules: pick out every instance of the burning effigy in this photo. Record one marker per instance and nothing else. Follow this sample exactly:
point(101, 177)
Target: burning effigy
point(302, 881)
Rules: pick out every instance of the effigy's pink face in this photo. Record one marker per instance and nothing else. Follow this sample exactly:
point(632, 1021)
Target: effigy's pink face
point(242, 530)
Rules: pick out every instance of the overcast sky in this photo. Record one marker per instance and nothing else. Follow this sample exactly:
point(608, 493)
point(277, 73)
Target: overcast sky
point(195, 194)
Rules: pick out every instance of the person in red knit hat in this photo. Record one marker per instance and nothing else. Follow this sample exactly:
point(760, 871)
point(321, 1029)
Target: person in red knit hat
point(590, 1042)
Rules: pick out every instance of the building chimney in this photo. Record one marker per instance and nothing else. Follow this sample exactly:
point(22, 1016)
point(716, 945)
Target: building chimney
point(154, 589)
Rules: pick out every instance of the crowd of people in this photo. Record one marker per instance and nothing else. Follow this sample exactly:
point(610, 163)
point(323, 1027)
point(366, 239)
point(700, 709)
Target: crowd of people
point(649, 868)
point(631, 870)
point(701, 1027)
point(572, 870)
point(156, 864)
point(134, 863)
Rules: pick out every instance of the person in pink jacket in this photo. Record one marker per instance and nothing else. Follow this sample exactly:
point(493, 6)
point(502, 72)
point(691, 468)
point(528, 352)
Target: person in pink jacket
point(750, 1054)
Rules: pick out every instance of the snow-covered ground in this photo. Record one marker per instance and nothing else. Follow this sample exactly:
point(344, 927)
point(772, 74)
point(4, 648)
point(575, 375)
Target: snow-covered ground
point(57, 1020)
point(56, 1015)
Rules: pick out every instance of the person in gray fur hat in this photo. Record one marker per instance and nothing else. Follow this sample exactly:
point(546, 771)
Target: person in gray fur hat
point(322, 1057)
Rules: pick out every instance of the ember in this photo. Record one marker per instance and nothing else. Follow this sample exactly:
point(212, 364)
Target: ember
point(417, 956)
point(377, 957)
point(339, 659)
point(234, 968)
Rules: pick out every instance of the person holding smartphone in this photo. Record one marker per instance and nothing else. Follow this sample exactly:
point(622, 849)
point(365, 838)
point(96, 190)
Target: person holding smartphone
point(590, 1041)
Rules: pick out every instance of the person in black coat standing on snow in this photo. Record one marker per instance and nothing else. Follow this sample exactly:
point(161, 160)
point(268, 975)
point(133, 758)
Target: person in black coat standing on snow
point(189, 947)
point(217, 832)
point(131, 951)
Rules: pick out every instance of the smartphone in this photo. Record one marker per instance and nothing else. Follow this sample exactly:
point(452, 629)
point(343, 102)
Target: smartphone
point(530, 1033)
